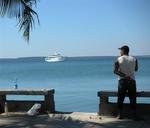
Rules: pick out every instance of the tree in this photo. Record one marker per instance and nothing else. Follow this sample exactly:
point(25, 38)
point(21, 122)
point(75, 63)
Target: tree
point(22, 11)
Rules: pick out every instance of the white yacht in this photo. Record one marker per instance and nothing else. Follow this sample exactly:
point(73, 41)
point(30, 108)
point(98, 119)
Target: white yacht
point(54, 58)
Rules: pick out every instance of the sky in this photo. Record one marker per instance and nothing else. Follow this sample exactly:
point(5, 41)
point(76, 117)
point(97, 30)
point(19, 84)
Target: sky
point(81, 28)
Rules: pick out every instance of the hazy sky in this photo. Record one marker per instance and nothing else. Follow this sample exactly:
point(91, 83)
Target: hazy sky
point(81, 28)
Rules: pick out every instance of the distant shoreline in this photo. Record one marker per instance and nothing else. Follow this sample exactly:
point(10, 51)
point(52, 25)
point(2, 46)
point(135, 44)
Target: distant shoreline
point(34, 57)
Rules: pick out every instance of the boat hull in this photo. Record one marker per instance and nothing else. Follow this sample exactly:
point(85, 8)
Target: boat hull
point(54, 59)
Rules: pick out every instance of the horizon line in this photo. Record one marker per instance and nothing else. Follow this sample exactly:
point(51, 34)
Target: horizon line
point(69, 56)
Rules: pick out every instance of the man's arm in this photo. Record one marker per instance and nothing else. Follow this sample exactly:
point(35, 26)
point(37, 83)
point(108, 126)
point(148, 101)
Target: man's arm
point(116, 70)
point(136, 65)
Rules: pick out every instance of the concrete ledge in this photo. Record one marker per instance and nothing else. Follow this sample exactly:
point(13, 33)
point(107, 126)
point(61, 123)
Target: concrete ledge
point(26, 92)
point(114, 94)
point(48, 104)
point(107, 108)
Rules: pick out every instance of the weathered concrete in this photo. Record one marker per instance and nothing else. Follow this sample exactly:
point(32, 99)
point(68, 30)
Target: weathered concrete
point(13, 105)
point(110, 109)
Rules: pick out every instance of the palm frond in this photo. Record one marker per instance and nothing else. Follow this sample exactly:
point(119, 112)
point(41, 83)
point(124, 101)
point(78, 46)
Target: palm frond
point(22, 10)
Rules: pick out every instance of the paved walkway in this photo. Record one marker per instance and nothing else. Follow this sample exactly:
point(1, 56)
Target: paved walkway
point(73, 120)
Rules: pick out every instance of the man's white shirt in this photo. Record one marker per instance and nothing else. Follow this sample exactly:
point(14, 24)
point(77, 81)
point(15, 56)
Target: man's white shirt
point(127, 65)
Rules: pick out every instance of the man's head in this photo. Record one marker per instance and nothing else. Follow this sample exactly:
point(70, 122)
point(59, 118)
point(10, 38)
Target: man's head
point(124, 50)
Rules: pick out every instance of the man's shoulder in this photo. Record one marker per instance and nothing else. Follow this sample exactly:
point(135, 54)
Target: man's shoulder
point(132, 58)
point(120, 58)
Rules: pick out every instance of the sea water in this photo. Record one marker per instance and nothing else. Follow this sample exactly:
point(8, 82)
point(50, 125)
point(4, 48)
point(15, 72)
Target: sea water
point(76, 80)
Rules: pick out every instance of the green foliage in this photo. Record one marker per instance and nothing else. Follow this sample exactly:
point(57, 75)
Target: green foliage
point(22, 11)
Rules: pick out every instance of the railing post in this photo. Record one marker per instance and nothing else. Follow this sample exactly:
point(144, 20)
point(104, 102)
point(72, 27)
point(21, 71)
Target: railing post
point(103, 103)
point(2, 103)
point(103, 99)
point(49, 101)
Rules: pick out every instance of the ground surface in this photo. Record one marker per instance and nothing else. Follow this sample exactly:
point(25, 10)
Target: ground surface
point(71, 120)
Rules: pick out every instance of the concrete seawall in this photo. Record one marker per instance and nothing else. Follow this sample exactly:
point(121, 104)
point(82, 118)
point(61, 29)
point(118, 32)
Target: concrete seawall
point(48, 104)
point(108, 108)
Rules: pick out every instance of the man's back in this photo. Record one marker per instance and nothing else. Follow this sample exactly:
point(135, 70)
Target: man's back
point(127, 65)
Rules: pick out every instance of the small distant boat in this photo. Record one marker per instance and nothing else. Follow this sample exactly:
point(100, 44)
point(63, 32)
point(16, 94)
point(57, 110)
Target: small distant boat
point(54, 58)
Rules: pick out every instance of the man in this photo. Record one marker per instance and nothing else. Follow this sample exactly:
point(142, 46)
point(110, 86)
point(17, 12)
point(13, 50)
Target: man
point(125, 67)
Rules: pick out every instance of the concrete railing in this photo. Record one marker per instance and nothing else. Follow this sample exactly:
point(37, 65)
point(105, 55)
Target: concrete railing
point(108, 108)
point(48, 104)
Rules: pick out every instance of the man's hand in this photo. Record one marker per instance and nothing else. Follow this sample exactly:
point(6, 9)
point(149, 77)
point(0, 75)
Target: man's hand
point(128, 77)
point(116, 70)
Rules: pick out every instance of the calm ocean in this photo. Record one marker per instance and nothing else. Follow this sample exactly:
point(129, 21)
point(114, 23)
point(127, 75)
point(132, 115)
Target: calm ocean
point(76, 80)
